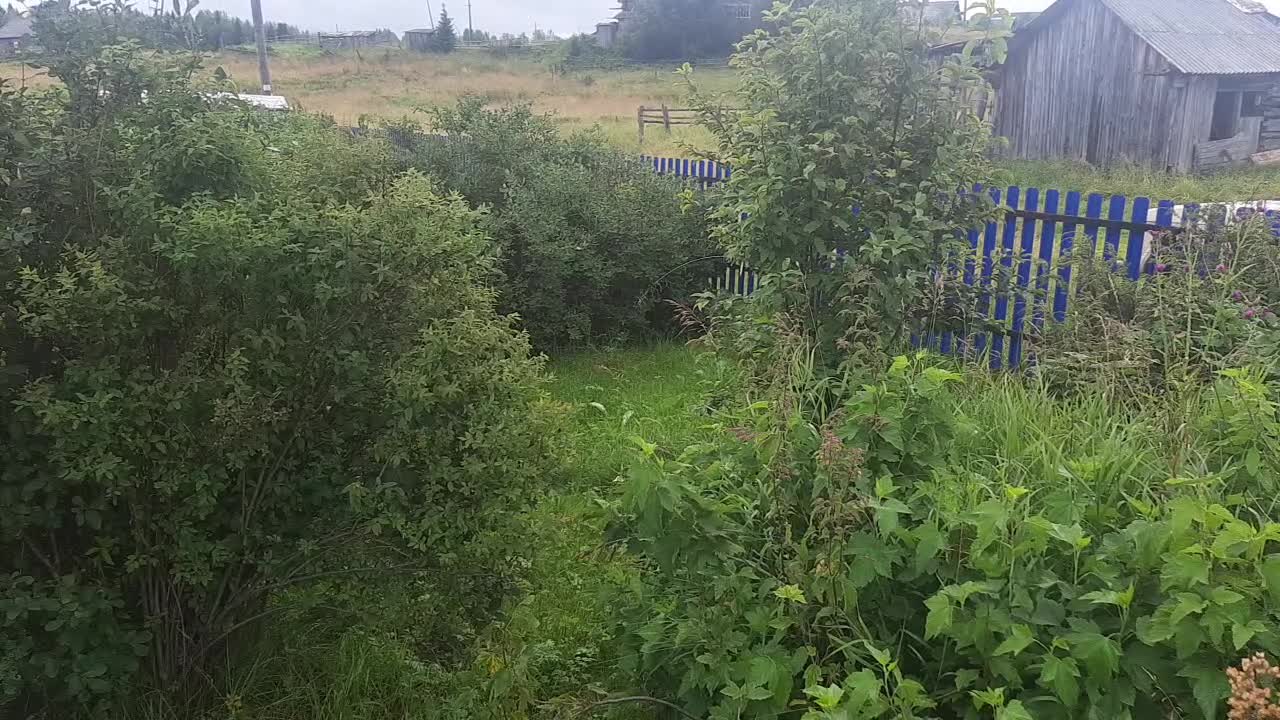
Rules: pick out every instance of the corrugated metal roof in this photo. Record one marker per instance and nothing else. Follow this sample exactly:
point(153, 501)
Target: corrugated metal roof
point(1205, 37)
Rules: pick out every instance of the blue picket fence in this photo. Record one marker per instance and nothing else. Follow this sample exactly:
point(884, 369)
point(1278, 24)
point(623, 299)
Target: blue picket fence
point(1021, 264)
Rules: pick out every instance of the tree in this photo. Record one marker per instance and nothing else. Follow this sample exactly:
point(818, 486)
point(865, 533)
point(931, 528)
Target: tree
point(446, 39)
point(680, 29)
point(849, 151)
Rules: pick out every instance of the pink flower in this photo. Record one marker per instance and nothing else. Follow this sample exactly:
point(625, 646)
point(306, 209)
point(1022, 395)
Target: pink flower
point(1250, 314)
point(1221, 268)
point(1161, 267)
point(1237, 295)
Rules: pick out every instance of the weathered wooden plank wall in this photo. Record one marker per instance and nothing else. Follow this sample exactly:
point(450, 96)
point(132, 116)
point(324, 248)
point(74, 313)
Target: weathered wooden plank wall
point(1216, 154)
point(1086, 87)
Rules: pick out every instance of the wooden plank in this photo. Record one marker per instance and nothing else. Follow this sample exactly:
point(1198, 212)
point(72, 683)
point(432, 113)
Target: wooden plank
point(1045, 266)
point(983, 308)
point(1093, 211)
point(1137, 239)
point(962, 342)
point(1011, 198)
point(1115, 213)
point(1062, 286)
point(1121, 224)
point(1025, 254)
point(1265, 159)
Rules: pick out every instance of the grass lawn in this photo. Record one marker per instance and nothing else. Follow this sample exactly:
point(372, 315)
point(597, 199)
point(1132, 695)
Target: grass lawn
point(658, 394)
point(610, 397)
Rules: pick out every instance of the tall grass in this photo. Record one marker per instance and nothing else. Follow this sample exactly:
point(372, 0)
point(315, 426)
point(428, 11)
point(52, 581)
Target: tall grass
point(1133, 181)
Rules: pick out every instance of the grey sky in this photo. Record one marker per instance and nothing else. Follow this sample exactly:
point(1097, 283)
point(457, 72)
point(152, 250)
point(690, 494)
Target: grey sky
point(514, 16)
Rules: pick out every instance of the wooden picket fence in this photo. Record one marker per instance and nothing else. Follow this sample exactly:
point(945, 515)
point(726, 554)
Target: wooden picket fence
point(1021, 263)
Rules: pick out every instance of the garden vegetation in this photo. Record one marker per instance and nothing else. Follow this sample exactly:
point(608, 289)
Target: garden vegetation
point(277, 442)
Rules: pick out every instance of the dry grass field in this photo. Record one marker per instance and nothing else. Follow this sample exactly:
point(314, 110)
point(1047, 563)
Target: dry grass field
point(392, 84)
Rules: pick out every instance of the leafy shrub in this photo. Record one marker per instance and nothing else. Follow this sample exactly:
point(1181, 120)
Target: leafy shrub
point(937, 546)
point(591, 241)
point(849, 151)
point(217, 368)
point(591, 250)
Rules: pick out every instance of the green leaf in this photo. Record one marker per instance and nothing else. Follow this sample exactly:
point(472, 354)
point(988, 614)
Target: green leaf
point(1242, 634)
point(1184, 570)
point(1271, 577)
point(990, 697)
point(940, 617)
point(1223, 596)
point(1072, 535)
point(1187, 604)
point(1062, 675)
point(884, 486)
point(1013, 711)
point(1018, 639)
point(881, 656)
point(758, 692)
point(733, 690)
point(1252, 462)
point(827, 697)
point(1209, 686)
point(792, 593)
point(1099, 654)
point(965, 678)
point(1048, 612)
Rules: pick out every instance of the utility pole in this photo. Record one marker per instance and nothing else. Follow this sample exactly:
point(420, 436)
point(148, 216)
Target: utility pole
point(260, 34)
point(471, 29)
point(430, 15)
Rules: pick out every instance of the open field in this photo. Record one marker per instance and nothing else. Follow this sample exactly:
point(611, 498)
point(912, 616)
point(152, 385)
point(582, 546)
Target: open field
point(392, 84)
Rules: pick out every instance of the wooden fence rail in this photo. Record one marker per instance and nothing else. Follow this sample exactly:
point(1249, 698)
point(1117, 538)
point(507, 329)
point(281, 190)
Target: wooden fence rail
point(1022, 263)
point(664, 116)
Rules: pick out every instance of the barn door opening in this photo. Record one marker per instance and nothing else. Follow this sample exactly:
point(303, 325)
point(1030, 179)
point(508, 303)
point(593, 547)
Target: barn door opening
point(1226, 115)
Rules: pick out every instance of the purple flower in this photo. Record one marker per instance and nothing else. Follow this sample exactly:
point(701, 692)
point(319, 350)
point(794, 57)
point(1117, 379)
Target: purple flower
point(1250, 314)
point(1221, 268)
point(1237, 296)
point(1161, 267)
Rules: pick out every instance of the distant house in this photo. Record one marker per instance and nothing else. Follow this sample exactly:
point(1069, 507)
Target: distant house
point(15, 36)
point(1171, 84)
point(743, 15)
point(357, 39)
point(607, 34)
point(937, 14)
point(421, 39)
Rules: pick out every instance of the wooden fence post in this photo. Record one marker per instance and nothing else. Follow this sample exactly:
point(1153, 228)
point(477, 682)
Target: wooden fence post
point(640, 122)
point(666, 118)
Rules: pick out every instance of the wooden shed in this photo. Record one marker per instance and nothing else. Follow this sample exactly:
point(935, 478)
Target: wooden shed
point(420, 39)
point(1170, 84)
point(15, 35)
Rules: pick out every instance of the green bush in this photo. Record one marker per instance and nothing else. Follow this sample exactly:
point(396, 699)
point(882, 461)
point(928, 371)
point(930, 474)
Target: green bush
point(590, 251)
point(947, 546)
point(232, 347)
point(851, 150)
point(592, 242)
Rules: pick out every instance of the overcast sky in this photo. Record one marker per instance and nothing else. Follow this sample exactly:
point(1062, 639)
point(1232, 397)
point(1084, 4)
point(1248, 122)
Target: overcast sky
point(514, 16)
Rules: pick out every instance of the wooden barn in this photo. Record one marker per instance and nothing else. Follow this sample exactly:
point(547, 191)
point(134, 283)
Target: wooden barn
point(1171, 84)
point(15, 35)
